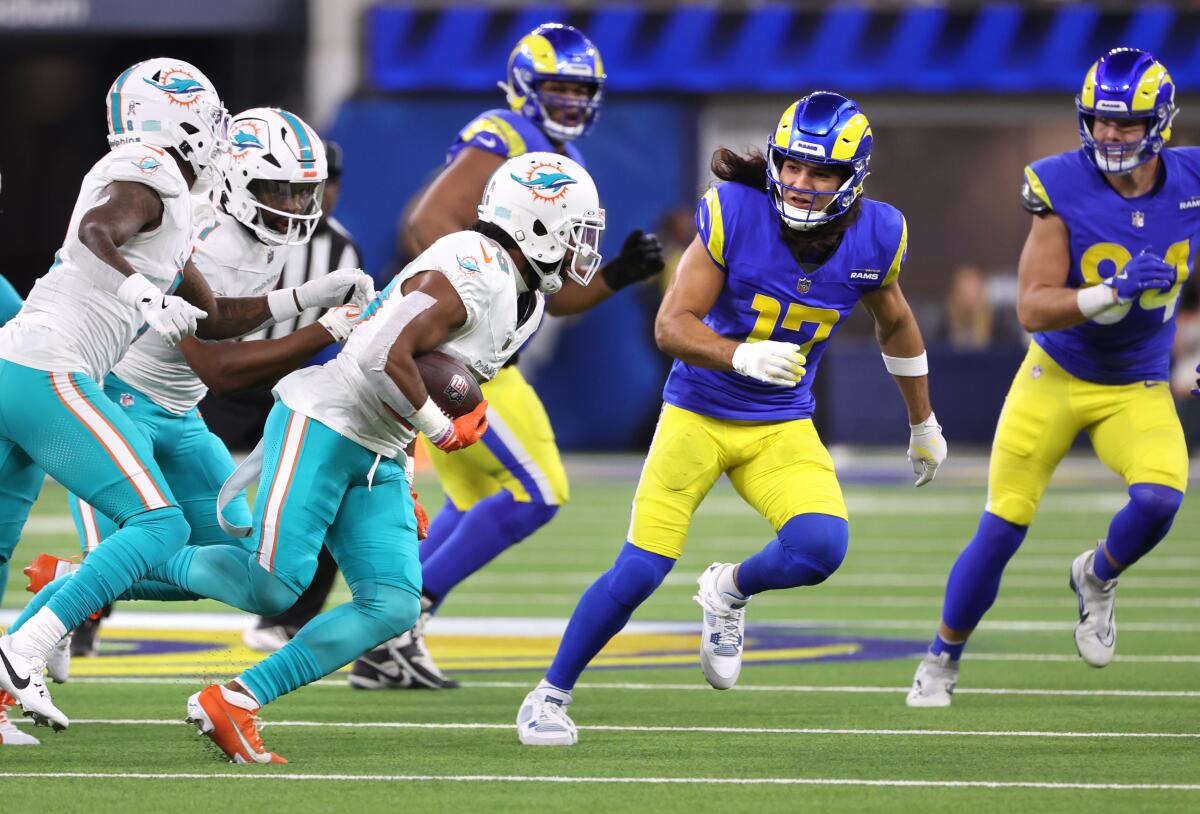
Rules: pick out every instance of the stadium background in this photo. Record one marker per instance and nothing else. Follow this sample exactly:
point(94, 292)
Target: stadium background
point(960, 95)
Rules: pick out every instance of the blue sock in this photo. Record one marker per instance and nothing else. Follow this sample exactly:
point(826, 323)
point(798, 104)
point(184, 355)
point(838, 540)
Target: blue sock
point(940, 645)
point(484, 531)
point(975, 578)
point(146, 540)
point(440, 528)
point(808, 549)
point(334, 638)
point(604, 609)
point(1138, 527)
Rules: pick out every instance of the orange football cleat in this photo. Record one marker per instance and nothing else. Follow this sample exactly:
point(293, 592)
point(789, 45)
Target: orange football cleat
point(46, 568)
point(220, 714)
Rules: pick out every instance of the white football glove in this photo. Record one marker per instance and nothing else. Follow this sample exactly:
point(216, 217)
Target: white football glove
point(926, 449)
point(769, 361)
point(341, 287)
point(340, 321)
point(171, 317)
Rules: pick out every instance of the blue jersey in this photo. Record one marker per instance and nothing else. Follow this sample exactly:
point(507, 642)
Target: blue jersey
point(508, 135)
point(1106, 230)
point(768, 295)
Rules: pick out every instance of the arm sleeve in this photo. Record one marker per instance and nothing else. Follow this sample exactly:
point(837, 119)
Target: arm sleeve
point(1034, 198)
point(900, 255)
point(712, 224)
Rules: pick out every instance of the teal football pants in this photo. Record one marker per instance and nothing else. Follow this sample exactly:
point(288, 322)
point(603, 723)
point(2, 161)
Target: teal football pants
point(316, 488)
point(61, 424)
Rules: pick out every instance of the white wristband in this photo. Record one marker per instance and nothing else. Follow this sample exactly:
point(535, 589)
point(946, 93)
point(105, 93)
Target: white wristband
point(430, 420)
point(907, 365)
point(283, 304)
point(136, 288)
point(930, 423)
point(1095, 300)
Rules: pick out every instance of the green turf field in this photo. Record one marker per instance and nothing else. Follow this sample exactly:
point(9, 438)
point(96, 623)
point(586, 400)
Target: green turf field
point(833, 734)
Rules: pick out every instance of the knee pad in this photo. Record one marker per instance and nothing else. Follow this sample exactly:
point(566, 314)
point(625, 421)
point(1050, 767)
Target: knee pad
point(272, 595)
point(523, 519)
point(996, 539)
point(636, 574)
point(1156, 502)
point(813, 542)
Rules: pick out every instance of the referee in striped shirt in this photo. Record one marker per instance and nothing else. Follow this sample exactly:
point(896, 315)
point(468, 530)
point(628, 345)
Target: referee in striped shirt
point(238, 418)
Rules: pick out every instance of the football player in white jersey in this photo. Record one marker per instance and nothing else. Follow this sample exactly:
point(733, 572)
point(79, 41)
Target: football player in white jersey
point(334, 456)
point(269, 200)
point(124, 265)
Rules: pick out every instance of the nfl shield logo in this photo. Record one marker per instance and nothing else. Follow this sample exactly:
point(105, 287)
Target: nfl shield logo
point(803, 285)
point(1139, 219)
point(456, 388)
point(126, 400)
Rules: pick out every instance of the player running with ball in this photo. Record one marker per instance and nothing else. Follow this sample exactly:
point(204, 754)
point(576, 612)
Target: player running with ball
point(754, 303)
point(1100, 274)
point(334, 449)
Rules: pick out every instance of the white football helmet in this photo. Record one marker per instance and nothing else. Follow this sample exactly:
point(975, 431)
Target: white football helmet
point(275, 175)
point(170, 103)
point(549, 205)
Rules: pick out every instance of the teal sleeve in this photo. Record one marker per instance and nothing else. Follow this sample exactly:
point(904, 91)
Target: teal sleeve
point(10, 301)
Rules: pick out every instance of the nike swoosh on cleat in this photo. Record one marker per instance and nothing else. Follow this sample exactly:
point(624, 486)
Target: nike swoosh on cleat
point(18, 682)
point(250, 753)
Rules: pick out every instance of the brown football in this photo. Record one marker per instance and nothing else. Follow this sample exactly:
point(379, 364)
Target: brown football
point(450, 383)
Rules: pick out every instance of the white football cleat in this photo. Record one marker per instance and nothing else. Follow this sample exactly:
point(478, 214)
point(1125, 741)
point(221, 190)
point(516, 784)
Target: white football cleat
point(1096, 630)
point(58, 663)
point(542, 719)
point(723, 631)
point(22, 678)
point(934, 683)
point(266, 639)
point(10, 735)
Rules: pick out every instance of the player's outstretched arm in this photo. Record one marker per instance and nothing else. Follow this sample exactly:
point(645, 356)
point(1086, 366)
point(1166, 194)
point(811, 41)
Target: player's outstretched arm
point(680, 331)
point(229, 317)
point(126, 209)
point(450, 203)
point(904, 356)
point(228, 367)
point(640, 259)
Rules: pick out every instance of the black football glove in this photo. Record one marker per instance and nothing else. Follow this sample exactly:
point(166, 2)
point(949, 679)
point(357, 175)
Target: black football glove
point(640, 259)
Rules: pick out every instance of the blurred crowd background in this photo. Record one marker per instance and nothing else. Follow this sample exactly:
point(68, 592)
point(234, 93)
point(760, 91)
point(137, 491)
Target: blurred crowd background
point(960, 96)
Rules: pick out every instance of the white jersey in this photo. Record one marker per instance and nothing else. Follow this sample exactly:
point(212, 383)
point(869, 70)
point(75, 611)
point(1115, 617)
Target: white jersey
point(72, 321)
point(236, 264)
point(339, 395)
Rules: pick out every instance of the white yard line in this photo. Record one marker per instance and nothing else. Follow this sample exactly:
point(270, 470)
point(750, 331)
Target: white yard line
point(728, 730)
point(701, 781)
point(783, 688)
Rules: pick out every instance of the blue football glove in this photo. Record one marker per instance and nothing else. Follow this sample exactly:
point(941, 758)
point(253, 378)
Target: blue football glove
point(1143, 273)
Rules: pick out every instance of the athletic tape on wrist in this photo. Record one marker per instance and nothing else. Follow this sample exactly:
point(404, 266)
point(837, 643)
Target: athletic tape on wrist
point(907, 365)
point(1095, 300)
point(284, 304)
point(135, 288)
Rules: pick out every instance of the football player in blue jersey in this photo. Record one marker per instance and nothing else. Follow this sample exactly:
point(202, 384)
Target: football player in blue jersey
point(503, 490)
point(1100, 275)
point(787, 246)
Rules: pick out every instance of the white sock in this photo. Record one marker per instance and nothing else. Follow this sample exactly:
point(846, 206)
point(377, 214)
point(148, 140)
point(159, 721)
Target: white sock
point(245, 699)
point(37, 637)
point(726, 584)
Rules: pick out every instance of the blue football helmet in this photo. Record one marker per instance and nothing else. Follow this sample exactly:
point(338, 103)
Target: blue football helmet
point(558, 52)
point(822, 128)
point(1126, 83)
